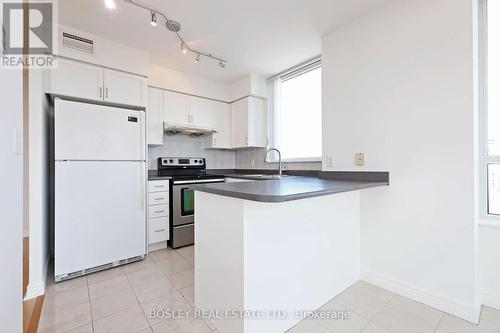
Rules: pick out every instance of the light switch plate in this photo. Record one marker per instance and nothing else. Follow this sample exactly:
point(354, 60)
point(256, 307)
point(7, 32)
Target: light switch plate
point(360, 159)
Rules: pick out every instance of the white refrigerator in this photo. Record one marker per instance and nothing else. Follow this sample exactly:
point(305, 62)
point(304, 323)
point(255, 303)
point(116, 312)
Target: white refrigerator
point(100, 179)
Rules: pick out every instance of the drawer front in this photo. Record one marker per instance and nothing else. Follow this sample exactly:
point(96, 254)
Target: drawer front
point(158, 230)
point(158, 186)
point(157, 211)
point(158, 198)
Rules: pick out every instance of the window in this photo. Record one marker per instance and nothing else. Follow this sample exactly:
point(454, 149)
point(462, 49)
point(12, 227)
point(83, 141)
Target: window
point(491, 108)
point(295, 110)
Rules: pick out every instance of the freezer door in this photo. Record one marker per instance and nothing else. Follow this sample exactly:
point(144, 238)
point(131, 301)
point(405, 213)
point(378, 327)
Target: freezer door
point(94, 132)
point(99, 213)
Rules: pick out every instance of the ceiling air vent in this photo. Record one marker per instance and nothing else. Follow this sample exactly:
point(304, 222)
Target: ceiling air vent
point(78, 43)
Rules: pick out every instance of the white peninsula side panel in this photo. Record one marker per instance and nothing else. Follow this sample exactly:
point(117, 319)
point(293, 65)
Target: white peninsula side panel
point(288, 256)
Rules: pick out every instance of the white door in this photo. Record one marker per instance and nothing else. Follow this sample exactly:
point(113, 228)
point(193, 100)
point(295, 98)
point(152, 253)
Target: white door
point(202, 112)
point(154, 116)
point(124, 88)
point(93, 132)
point(222, 124)
point(239, 113)
point(99, 213)
point(176, 108)
point(75, 79)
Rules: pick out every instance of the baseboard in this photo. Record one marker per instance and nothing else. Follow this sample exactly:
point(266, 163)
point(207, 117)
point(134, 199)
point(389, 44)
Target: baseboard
point(491, 300)
point(456, 308)
point(36, 289)
point(157, 246)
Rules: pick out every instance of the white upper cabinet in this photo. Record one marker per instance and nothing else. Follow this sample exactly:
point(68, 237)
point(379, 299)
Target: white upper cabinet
point(124, 88)
point(75, 79)
point(154, 116)
point(249, 118)
point(176, 108)
point(201, 111)
point(80, 80)
point(222, 139)
point(188, 111)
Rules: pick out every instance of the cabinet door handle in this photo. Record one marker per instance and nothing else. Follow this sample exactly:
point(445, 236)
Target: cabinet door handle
point(159, 211)
point(159, 198)
point(106, 93)
point(100, 92)
point(160, 230)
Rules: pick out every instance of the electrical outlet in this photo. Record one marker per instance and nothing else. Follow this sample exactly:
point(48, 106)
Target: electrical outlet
point(330, 161)
point(360, 159)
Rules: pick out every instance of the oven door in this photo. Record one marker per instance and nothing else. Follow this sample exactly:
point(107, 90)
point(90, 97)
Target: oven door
point(183, 200)
point(183, 205)
point(182, 217)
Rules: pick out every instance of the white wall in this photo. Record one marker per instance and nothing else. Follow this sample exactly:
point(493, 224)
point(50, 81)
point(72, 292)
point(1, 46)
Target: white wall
point(398, 86)
point(166, 78)
point(11, 198)
point(489, 265)
point(249, 85)
point(39, 186)
point(107, 53)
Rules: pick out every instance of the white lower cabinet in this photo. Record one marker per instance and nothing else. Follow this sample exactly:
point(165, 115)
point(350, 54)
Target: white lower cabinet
point(158, 230)
point(158, 213)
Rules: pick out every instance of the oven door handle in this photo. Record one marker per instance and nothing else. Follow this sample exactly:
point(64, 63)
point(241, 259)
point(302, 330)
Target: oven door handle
point(198, 181)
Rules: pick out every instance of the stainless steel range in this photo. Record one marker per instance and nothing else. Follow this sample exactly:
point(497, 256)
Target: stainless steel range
point(185, 173)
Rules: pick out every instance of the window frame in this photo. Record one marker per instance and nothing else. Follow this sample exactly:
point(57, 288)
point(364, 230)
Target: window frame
point(273, 102)
point(485, 159)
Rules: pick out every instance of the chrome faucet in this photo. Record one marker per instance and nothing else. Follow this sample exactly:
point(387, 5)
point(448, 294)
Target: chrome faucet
point(280, 170)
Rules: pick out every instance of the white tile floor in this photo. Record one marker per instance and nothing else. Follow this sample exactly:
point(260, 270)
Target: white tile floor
point(119, 300)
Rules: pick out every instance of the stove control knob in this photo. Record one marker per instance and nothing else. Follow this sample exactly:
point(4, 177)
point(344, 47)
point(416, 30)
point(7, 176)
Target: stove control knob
point(171, 161)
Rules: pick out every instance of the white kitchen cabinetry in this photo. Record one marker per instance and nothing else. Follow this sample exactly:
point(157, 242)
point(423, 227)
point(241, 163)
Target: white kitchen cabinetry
point(201, 111)
point(158, 213)
point(188, 111)
point(80, 80)
point(176, 108)
point(222, 139)
point(124, 88)
point(154, 116)
point(77, 79)
point(249, 122)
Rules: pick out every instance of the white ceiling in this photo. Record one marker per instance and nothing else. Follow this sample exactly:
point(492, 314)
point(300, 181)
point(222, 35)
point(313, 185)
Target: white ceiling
point(255, 36)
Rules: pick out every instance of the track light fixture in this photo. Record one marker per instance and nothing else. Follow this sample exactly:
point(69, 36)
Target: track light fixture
point(174, 27)
point(154, 19)
point(110, 4)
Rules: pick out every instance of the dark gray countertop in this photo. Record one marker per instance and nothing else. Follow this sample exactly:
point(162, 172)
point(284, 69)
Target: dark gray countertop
point(286, 189)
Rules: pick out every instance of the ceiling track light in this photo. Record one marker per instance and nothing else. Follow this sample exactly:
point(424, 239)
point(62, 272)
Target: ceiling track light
point(110, 4)
point(154, 19)
point(183, 48)
point(174, 27)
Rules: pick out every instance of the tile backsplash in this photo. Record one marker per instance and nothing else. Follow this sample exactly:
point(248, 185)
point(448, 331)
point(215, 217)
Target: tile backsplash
point(253, 158)
point(188, 146)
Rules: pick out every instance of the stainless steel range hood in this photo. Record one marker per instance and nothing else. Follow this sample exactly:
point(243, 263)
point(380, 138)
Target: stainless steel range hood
point(190, 130)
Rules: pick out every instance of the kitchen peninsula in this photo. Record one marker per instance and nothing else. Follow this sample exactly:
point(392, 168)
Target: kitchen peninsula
point(285, 245)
